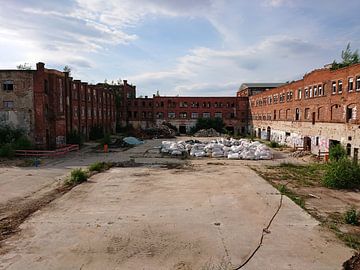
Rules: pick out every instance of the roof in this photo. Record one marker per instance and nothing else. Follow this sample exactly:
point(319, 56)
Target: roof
point(260, 85)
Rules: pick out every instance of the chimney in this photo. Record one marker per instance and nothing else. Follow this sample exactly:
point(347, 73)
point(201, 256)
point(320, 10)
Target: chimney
point(125, 82)
point(40, 66)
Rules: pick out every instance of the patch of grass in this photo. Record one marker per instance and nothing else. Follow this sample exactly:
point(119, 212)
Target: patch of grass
point(274, 144)
point(99, 167)
point(77, 176)
point(351, 240)
point(351, 216)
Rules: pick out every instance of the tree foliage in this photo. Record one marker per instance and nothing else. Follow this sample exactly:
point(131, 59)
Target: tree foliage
point(348, 58)
point(205, 123)
point(25, 66)
point(67, 69)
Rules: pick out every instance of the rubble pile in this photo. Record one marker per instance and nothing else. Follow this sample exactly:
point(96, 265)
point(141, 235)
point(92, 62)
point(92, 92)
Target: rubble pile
point(207, 133)
point(162, 131)
point(231, 149)
point(300, 153)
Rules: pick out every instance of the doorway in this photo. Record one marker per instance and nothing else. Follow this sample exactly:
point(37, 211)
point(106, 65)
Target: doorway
point(268, 133)
point(307, 143)
point(182, 129)
point(356, 155)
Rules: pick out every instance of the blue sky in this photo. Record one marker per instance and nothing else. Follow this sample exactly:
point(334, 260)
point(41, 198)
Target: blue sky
point(179, 47)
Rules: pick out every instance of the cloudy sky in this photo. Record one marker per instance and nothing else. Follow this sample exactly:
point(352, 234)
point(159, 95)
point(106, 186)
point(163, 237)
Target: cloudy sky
point(185, 47)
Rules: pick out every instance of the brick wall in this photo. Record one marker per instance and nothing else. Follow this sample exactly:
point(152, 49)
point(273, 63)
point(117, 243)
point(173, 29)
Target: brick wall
point(323, 106)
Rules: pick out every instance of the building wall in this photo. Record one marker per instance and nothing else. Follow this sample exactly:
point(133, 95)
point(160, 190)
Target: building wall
point(21, 114)
point(323, 106)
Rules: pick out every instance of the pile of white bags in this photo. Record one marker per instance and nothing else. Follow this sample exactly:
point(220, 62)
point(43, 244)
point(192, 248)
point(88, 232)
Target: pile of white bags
point(231, 149)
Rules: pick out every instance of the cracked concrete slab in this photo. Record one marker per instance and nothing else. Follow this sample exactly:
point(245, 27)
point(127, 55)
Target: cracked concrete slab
point(156, 218)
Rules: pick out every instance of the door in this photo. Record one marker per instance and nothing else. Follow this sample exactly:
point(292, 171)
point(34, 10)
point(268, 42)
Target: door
point(307, 143)
point(182, 129)
point(356, 154)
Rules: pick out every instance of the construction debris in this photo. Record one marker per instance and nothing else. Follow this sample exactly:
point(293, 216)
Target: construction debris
point(207, 133)
point(231, 149)
point(300, 153)
point(132, 141)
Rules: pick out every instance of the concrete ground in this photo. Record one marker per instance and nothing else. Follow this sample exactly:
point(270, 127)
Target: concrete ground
point(209, 215)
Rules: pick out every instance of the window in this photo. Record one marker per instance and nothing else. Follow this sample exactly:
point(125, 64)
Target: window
point(183, 115)
point(159, 115)
point(171, 115)
point(183, 104)
point(194, 115)
point(310, 92)
point(334, 87)
point(306, 93)
point(299, 93)
point(8, 104)
point(358, 83)
point(218, 114)
point(276, 99)
point(8, 85)
point(206, 115)
point(274, 114)
point(320, 90)
point(350, 84)
point(46, 86)
point(340, 86)
point(315, 91)
point(350, 112)
point(307, 113)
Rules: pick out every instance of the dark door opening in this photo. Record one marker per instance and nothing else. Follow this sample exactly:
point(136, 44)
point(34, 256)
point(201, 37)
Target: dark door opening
point(259, 132)
point(307, 143)
point(182, 129)
point(313, 118)
point(268, 133)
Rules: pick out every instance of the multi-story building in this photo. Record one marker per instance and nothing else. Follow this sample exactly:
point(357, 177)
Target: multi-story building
point(315, 112)
point(48, 104)
point(250, 89)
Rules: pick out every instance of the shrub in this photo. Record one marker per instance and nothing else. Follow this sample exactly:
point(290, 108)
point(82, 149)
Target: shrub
point(7, 150)
point(274, 144)
point(10, 134)
point(342, 174)
point(77, 176)
point(351, 216)
point(337, 152)
point(98, 167)
point(23, 143)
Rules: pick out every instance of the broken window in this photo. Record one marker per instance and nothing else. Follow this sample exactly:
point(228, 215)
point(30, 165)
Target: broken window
point(315, 91)
point(348, 149)
point(299, 93)
point(306, 92)
point(206, 115)
point(334, 87)
point(274, 114)
point(218, 114)
point(340, 86)
point(350, 84)
point(310, 92)
point(320, 90)
point(194, 115)
point(183, 115)
point(358, 83)
point(8, 104)
point(350, 112)
point(171, 115)
point(8, 85)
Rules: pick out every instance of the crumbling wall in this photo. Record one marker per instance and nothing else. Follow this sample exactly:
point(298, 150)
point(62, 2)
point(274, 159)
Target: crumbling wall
point(21, 114)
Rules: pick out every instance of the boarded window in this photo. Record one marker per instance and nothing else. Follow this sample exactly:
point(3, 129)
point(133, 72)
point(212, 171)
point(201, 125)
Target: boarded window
point(336, 113)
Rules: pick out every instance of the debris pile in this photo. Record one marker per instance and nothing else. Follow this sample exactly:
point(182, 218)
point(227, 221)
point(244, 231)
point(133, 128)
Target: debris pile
point(207, 133)
point(300, 153)
point(132, 141)
point(231, 149)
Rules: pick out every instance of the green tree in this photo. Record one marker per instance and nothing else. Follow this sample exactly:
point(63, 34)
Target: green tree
point(348, 58)
point(67, 69)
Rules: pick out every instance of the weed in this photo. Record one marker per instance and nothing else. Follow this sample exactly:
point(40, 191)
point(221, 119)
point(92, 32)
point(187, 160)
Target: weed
point(7, 150)
point(77, 176)
point(274, 144)
point(337, 152)
point(342, 174)
point(299, 200)
point(351, 216)
point(99, 167)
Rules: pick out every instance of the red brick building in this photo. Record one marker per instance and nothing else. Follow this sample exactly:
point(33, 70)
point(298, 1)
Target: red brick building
point(319, 110)
point(48, 105)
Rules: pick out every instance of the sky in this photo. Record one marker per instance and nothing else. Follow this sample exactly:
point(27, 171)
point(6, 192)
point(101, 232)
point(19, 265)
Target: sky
point(178, 47)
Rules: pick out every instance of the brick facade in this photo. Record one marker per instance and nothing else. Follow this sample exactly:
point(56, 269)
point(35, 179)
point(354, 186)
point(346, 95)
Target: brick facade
point(49, 104)
point(314, 112)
